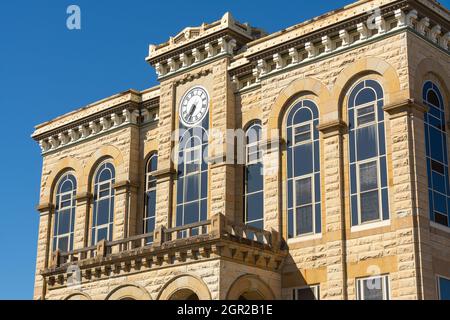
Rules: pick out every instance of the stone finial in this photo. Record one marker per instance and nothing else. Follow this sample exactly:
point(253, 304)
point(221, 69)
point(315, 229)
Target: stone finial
point(293, 53)
point(227, 18)
point(311, 49)
point(363, 31)
point(422, 25)
point(435, 32)
point(151, 49)
point(401, 18)
point(345, 37)
point(326, 41)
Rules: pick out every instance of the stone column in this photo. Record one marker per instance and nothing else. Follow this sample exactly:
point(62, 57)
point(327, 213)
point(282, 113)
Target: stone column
point(272, 184)
point(43, 248)
point(333, 228)
point(222, 169)
point(166, 169)
point(124, 193)
point(409, 201)
point(82, 220)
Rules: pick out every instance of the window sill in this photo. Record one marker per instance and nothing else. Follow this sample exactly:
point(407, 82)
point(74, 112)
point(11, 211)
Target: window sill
point(373, 225)
point(304, 238)
point(439, 227)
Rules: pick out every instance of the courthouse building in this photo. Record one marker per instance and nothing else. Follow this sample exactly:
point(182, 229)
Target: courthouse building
point(311, 163)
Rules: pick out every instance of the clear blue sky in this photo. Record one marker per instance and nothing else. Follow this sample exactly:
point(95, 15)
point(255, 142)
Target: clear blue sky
point(47, 70)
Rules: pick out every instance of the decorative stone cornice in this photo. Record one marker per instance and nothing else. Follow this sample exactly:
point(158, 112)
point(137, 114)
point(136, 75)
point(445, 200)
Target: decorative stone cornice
point(394, 18)
point(45, 208)
point(125, 186)
point(408, 106)
point(205, 38)
point(164, 173)
point(84, 197)
point(332, 128)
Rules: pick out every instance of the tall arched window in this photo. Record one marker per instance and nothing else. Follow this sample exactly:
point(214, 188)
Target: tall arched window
point(254, 182)
point(436, 152)
point(150, 195)
point(64, 219)
point(303, 170)
point(103, 213)
point(367, 145)
point(192, 185)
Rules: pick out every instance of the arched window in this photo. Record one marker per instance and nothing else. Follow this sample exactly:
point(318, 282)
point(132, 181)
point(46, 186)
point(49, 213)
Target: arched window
point(367, 145)
point(436, 152)
point(103, 213)
point(254, 182)
point(64, 219)
point(303, 170)
point(150, 195)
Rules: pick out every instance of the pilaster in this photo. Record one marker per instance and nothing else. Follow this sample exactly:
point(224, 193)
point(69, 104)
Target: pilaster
point(334, 226)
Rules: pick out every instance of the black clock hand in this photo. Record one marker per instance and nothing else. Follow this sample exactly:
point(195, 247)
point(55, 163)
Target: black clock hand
point(191, 112)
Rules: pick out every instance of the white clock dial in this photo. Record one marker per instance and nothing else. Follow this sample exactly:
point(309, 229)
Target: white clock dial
point(194, 106)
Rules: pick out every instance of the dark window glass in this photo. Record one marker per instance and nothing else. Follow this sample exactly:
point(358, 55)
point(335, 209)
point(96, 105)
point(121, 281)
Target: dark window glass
point(365, 96)
point(369, 206)
point(302, 133)
point(255, 206)
point(63, 244)
point(64, 222)
point(102, 234)
point(366, 115)
point(444, 288)
point(192, 188)
point(367, 142)
point(255, 178)
point(368, 176)
point(306, 294)
point(305, 218)
point(303, 190)
point(433, 99)
point(372, 289)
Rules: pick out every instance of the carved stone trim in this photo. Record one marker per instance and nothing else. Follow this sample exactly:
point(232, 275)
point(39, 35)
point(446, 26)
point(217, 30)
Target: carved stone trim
point(84, 197)
point(45, 208)
point(125, 186)
point(408, 106)
point(164, 173)
point(332, 128)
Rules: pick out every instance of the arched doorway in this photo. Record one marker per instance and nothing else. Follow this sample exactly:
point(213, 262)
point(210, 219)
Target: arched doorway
point(185, 287)
point(249, 287)
point(184, 294)
point(129, 292)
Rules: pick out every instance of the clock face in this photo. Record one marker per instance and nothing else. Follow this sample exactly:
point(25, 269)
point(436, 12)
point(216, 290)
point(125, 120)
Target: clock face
point(194, 106)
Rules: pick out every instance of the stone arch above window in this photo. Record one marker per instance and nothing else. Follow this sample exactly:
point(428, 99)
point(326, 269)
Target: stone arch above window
point(250, 287)
point(129, 292)
point(184, 284)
